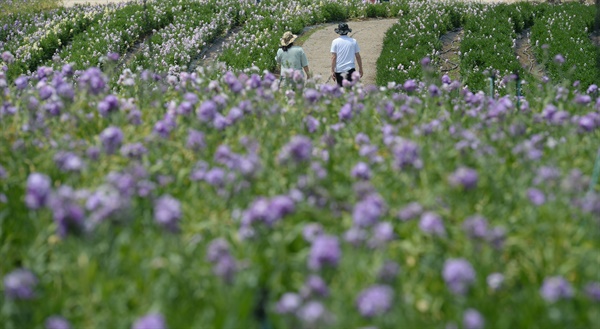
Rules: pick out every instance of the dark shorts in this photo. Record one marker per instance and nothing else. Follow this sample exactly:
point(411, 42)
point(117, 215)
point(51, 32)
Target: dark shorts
point(339, 77)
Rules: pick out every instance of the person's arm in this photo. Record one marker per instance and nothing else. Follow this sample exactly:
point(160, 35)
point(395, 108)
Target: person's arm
point(333, 62)
point(359, 62)
point(307, 70)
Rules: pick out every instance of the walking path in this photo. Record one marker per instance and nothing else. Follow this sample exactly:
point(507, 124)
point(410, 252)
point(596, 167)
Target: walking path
point(369, 35)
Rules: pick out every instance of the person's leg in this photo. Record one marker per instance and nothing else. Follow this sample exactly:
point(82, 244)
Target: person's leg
point(349, 74)
point(339, 78)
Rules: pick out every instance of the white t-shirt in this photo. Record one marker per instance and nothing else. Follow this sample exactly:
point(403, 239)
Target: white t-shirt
point(346, 49)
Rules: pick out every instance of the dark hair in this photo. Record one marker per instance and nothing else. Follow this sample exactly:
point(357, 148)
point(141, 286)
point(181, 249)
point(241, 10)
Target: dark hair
point(285, 48)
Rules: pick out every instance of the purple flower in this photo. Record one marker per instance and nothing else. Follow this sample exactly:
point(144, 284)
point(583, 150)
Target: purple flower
point(536, 196)
point(312, 313)
point(20, 284)
point(113, 56)
point(111, 139)
point(311, 231)
point(592, 290)
point(215, 177)
point(133, 150)
point(38, 190)
point(410, 85)
point(446, 79)
point(207, 111)
point(311, 95)
point(495, 280)
point(496, 237)
point(476, 227)
point(410, 211)
point(559, 59)
point(555, 288)
point(425, 61)
point(375, 300)
point(150, 321)
point(355, 236)
point(314, 287)
point(431, 223)
point(298, 149)
point(57, 322)
point(465, 177)
point(345, 113)
point(280, 206)
point(288, 303)
point(388, 271)
point(382, 233)
point(473, 319)
point(108, 105)
point(93, 80)
point(45, 92)
point(21, 82)
point(459, 275)
point(325, 251)
point(167, 212)
point(217, 249)
point(368, 211)
point(312, 124)
point(67, 213)
point(434, 91)
point(7, 57)
point(582, 99)
point(407, 154)
point(361, 171)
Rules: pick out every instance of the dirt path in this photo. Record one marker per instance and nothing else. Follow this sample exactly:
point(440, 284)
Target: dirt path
point(449, 57)
point(369, 35)
point(525, 55)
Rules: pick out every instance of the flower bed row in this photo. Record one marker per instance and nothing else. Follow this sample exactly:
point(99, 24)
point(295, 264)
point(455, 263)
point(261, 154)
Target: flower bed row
point(47, 33)
point(562, 43)
point(194, 26)
point(115, 32)
point(487, 48)
point(415, 37)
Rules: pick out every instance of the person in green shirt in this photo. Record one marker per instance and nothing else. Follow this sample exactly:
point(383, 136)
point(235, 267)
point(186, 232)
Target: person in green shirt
point(293, 61)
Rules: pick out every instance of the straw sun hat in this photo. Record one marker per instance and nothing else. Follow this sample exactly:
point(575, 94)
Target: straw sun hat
point(288, 38)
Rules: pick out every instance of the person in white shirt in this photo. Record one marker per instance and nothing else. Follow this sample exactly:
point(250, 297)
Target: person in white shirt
point(345, 54)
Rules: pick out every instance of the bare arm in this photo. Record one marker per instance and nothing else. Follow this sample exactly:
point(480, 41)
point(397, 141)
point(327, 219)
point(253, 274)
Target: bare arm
point(307, 70)
point(359, 61)
point(333, 61)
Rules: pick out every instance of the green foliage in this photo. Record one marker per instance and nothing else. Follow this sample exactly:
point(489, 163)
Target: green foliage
point(565, 31)
point(377, 10)
point(334, 12)
point(415, 37)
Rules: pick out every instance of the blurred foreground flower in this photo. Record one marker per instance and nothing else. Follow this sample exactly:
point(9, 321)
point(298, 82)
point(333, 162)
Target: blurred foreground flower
point(555, 288)
point(472, 319)
point(325, 251)
point(20, 284)
point(57, 322)
point(375, 300)
point(459, 275)
point(38, 190)
point(465, 177)
point(167, 212)
point(150, 321)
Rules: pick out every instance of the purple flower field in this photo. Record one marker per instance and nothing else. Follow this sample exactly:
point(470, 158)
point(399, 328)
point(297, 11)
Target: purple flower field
point(217, 199)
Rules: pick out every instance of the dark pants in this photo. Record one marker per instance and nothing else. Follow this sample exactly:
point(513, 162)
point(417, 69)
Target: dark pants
point(339, 77)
